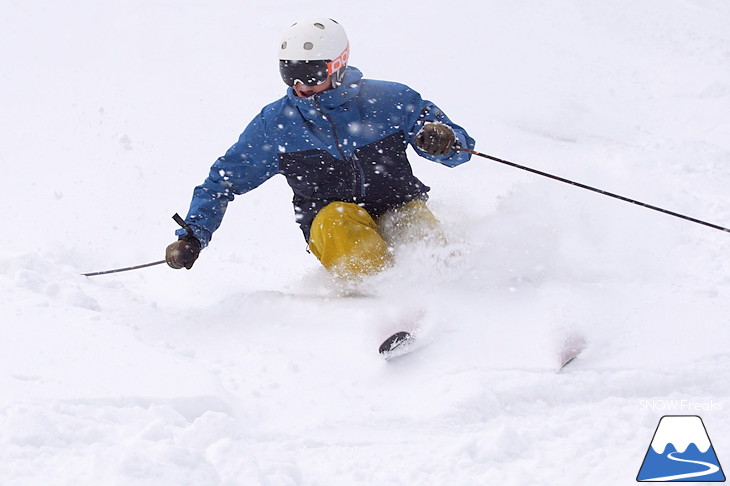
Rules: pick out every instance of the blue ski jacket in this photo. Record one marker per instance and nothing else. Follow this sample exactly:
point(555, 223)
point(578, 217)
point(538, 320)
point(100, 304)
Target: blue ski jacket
point(345, 144)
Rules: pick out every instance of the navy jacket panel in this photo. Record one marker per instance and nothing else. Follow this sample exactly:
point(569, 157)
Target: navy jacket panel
point(345, 144)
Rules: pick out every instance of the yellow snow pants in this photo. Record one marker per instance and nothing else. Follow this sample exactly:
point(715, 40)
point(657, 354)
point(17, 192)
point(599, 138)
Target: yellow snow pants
point(349, 242)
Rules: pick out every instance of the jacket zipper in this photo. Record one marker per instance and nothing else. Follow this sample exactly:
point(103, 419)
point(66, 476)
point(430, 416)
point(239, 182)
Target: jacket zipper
point(357, 167)
point(358, 174)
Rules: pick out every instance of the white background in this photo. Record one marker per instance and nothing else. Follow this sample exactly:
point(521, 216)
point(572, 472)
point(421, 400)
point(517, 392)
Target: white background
point(250, 369)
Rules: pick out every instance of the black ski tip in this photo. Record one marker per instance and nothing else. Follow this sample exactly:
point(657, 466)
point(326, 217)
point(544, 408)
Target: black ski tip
point(393, 342)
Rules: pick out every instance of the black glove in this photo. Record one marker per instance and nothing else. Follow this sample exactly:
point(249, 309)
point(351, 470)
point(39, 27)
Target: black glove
point(436, 139)
point(183, 252)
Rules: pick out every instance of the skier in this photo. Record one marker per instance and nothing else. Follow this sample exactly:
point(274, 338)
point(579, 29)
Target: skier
point(340, 140)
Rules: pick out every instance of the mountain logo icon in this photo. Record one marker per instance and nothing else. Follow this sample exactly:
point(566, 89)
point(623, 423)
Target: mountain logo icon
point(681, 451)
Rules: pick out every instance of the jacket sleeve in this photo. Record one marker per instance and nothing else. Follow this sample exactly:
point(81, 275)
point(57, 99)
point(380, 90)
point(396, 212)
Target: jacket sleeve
point(418, 112)
point(246, 165)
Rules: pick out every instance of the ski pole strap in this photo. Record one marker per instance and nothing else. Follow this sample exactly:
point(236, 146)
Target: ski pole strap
point(599, 191)
point(178, 219)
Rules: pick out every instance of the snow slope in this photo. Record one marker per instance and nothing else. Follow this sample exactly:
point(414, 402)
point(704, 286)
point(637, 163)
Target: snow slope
point(252, 369)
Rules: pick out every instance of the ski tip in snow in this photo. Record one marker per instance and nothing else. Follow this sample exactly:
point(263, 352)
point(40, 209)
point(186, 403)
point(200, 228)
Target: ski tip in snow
point(396, 345)
point(571, 348)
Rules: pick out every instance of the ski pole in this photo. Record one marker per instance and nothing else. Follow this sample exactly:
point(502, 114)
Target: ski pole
point(125, 269)
point(177, 219)
point(599, 191)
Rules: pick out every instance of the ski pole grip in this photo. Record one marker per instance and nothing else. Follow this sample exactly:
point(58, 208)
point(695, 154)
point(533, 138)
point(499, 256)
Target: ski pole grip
point(178, 219)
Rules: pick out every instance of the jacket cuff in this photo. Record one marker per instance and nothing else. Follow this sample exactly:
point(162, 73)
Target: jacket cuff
point(203, 236)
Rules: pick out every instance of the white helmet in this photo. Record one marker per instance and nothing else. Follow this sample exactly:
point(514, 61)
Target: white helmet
point(313, 49)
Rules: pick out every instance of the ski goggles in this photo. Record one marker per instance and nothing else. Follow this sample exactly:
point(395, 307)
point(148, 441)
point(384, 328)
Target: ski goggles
point(310, 73)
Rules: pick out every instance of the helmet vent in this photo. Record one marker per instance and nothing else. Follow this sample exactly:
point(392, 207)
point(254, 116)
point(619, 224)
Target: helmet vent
point(319, 26)
point(308, 46)
point(283, 45)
